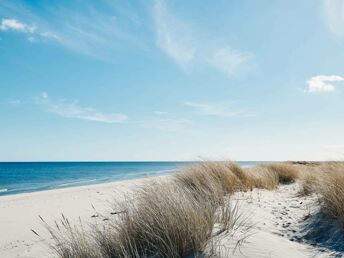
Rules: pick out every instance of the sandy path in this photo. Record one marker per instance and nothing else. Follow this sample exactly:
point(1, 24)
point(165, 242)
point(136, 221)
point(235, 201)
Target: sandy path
point(278, 217)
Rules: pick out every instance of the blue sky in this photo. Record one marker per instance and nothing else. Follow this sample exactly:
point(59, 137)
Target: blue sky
point(171, 80)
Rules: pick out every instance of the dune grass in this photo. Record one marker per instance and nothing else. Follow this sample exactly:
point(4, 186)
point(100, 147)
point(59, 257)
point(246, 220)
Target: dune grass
point(285, 172)
point(214, 179)
point(309, 179)
point(165, 221)
point(167, 218)
point(330, 187)
point(183, 215)
point(263, 178)
point(71, 241)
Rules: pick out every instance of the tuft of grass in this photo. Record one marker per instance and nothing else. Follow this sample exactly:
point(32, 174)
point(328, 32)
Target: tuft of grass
point(205, 184)
point(71, 241)
point(331, 189)
point(165, 221)
point(215, 177)
point(245, 179)
point(178, 217)
point(263, 178)
point(286, 173)
point(308, 181)
point(166, 218)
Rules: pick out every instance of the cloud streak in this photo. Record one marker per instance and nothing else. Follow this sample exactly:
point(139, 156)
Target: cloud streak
point(75, 110)
point(180, 48)
point(14, 102)
point(228, 60)
point(97, 30)
point(34, 34)
point(177, 39)
point(212, 109)
point(323, 83)
point(167, 124)
point(334, 16)
point(15, 25)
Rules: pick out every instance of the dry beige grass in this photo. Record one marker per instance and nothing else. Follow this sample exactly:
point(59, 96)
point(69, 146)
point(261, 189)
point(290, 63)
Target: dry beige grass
point(246, 181)
point(203, 184)
point(263, 178)
point(214, 178)
point(219, 178)
point(171, 218)
point(71, 241)
point(327, 181)
point(309, 178)
point(331, 189)
point(165, 221)
point(176, 217)
point(286, 173)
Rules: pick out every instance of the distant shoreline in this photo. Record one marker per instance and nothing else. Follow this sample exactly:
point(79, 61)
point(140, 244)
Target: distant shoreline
point(26, 177)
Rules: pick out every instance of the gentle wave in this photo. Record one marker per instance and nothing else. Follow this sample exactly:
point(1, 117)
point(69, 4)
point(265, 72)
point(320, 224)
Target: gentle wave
point(77, 182)
point(147, 173)
point(3, 190)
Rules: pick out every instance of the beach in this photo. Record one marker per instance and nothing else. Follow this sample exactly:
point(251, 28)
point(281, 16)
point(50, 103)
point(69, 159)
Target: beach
point(274, 216)
point(19, 213)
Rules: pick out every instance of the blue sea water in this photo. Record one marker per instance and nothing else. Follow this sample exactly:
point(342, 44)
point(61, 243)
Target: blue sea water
point(22, 177)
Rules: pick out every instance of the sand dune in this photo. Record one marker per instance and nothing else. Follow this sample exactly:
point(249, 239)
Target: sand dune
point(276, 216)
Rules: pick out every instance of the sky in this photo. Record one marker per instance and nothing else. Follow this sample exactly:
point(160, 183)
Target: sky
point(115, 80)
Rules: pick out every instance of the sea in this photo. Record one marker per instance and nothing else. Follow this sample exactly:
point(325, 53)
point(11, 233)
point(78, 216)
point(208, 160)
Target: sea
point(24, 177)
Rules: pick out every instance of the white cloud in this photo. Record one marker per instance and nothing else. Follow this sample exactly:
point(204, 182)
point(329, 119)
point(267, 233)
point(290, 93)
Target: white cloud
point(177, 38)
point(97, 29)
point(13, 24)
point(323, 83)
point(179, 46)
point(167, 124)
point(228, 60)
point(34, 34)
point(160, 113)
point(31, 39)
point(74, 110)
point(334, 16)
point(44, 95)
point(49, 35)
point(14, 102)
point(212, 109)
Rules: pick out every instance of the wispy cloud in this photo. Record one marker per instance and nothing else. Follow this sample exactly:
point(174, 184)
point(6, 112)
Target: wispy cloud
point(167, 124)
point(323, 83)
point(160, 113)
point(228, 60)
point(14, 25)
point(73, 109)
point(14, 102)
point(179, 46)
point(33, 33)
point(207, 109)
point(334, 16)
point(177, 38)
point(93, 29)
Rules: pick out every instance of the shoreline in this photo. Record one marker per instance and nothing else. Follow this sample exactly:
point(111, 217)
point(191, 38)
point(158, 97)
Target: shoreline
point(85, 185)
point(19, 213)
point(99, 174)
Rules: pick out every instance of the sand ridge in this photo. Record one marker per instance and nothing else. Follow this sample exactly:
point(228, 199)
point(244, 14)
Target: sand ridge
point(276, 216)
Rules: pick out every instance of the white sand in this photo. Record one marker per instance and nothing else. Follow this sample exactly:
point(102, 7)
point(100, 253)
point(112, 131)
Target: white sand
point(278, 217)
point(19, 213)
point(274, 214)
